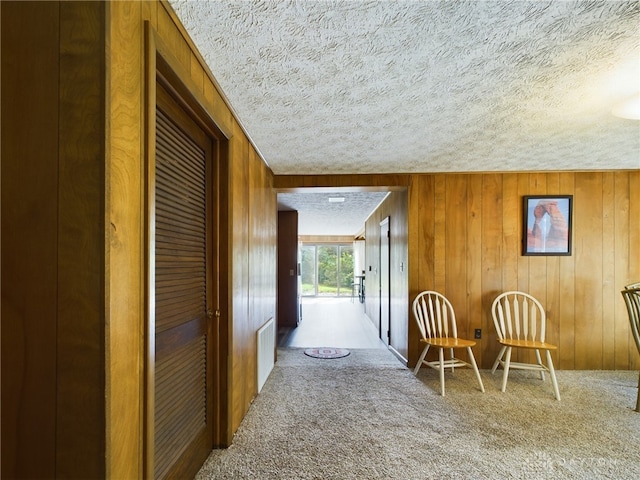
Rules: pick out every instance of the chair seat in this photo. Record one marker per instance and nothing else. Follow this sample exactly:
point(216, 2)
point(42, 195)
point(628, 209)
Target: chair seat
point(528, 344)
point(448, 342)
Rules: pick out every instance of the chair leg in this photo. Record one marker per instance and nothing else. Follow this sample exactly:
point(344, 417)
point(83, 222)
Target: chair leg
point(441, 355)
point(507, 362)
point(453, 357)
point(540, 363)
point(475, 368)
point(498, 358)
point(422, 356)
point(552, 372)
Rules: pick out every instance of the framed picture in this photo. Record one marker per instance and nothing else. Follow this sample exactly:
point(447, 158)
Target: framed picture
point(547, 225)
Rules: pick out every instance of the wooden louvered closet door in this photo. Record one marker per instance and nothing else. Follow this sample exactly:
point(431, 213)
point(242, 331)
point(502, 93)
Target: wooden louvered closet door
point(183, 292)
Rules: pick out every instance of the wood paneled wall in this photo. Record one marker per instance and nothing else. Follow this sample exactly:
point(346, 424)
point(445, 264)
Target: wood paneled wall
point(465, 241)
point(252, 237)
point(53, 230)
point(73, 235)
point(395, 207)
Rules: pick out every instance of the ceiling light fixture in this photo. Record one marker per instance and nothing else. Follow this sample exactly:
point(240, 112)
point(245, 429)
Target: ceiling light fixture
point(629, 108)
point(336, 199)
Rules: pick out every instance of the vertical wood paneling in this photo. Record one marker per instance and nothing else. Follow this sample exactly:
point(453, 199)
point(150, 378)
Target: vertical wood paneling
point(241, 343)
point(124, 210)
point(491, 250)
point(477, 319)
point(440, 234)
point(589, 248)
point(609, 294)
point(80, 423)
point(426, 225)
point(522, 261)
point(620, 242)
point(454, 208)
point(587, 320)
point(29, 110)
point(565, 315)
point(510, 232)
point(413, 260)
point(553, 278)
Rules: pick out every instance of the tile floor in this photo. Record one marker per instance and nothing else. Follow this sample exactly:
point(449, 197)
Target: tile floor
point(331, 322)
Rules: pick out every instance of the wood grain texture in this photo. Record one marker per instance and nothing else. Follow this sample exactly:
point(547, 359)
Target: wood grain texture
point(29, 188)
point(588, 250)
point(241, 343)
point(293, 183)
point(394, 207)
point(572, 288)
point(80, 443)
point(125, 211)
point(473, 250)
point(609, 293)
point(586, 318)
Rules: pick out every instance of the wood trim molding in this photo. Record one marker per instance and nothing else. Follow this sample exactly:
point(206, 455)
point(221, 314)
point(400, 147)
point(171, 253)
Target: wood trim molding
point(148, 398)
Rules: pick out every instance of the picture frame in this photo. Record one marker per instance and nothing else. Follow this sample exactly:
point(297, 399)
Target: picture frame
point(547, 223)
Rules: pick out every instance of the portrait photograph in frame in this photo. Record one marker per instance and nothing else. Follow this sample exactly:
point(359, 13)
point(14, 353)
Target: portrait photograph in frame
point(547, 224)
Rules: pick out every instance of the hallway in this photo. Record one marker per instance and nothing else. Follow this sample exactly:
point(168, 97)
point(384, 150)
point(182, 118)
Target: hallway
point(331, 322)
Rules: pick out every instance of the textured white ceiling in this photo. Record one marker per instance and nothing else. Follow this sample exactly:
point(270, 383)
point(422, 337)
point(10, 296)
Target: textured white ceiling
point(347, 86)
point(318, 216)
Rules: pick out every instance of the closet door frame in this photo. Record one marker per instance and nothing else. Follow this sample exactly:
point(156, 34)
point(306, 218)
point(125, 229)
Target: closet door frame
point(161, 66)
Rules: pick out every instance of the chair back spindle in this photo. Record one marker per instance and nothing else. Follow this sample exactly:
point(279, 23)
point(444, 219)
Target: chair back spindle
point(435, 316)
point(520, 317)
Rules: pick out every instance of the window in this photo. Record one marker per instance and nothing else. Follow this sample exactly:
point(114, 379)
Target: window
point(327, 270)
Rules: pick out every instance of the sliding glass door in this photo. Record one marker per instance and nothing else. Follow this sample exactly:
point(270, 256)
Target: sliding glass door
point(327, 270)
point(308, 270)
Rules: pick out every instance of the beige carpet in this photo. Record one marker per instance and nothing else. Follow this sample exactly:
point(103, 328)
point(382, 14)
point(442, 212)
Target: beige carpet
point(366, 416)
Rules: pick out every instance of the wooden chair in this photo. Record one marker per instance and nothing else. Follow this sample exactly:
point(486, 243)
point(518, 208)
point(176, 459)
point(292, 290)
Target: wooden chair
point(437, 323)
point(631, 294)
point(521, 322)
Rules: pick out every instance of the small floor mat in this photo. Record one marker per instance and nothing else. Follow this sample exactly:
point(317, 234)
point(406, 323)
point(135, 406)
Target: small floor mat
point(326, 352)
